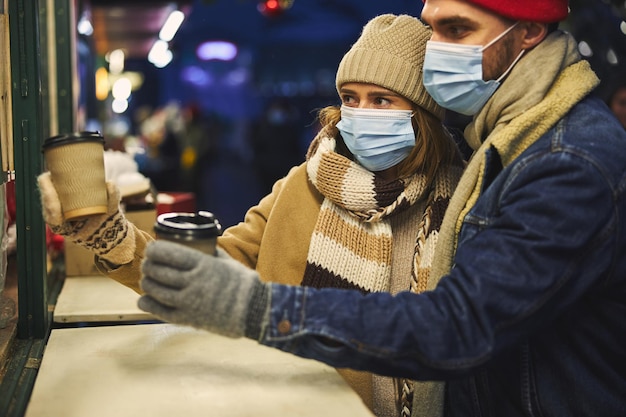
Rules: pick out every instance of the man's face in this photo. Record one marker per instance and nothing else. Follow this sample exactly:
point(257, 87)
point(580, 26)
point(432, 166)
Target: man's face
point(460, 22)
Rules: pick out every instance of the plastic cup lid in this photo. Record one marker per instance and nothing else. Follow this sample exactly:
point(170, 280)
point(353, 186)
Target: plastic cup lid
point(188, 226)
point(72, 138)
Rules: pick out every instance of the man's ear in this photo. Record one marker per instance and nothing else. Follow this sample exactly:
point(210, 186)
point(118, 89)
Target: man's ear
point(534, 33)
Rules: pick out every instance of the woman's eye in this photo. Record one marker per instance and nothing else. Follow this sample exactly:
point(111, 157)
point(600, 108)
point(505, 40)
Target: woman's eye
point(347, 99)
point(381, 101)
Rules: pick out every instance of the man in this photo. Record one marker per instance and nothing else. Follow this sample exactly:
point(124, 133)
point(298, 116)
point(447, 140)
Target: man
point(528, 317)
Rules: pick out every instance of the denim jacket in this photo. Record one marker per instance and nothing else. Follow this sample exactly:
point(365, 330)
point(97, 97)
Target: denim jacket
point(531, 320)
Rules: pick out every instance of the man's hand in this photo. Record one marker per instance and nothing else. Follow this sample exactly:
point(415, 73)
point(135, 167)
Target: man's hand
point(185, 286)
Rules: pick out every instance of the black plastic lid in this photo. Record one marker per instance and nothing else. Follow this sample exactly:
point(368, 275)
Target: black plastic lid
point(188, 226)
point(71, 138)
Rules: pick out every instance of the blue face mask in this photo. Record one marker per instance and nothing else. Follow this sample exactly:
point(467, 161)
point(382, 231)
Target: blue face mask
point(453, 75)
point(378, 139)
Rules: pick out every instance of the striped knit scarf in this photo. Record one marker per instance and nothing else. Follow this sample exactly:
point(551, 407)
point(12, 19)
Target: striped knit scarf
point(352, 242)
point(351, 245)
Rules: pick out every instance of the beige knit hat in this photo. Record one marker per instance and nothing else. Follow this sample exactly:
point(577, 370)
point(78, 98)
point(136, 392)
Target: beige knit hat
point(390, 53)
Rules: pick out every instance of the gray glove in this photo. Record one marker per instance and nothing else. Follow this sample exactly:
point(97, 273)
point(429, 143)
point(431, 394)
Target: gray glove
point(215, 293)
point(107, 236)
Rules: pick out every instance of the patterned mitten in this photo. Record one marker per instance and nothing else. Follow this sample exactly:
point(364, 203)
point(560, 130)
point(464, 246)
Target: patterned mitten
point(215, 293)
point(107, 236)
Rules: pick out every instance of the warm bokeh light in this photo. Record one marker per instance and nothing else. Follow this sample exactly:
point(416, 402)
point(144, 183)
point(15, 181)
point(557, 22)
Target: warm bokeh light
point(116, 61)
point(119, 106)
point(121, 88)
point(171, 25)
point(102, 84)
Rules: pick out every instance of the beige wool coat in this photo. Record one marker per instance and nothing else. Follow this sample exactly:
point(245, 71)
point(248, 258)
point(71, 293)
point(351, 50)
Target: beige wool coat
point(273, 239)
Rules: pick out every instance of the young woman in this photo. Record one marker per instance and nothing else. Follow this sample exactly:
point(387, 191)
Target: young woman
point(363, 212)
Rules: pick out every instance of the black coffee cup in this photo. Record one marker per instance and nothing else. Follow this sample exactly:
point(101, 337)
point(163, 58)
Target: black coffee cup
point(197, 230)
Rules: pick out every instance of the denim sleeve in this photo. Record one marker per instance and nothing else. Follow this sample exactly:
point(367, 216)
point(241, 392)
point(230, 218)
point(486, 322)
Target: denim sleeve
point(531, 249)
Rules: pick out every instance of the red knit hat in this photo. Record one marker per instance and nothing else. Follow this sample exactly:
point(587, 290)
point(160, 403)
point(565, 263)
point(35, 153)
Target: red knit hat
point(543, 11)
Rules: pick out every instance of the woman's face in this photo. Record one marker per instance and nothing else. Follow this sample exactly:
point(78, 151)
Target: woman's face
point(371, 96)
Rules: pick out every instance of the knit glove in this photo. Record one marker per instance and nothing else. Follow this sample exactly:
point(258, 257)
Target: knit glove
point(108, 236)
point(215, 293)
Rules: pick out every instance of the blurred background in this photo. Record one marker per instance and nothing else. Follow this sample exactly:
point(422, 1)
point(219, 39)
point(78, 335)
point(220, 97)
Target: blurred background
point(218, 97)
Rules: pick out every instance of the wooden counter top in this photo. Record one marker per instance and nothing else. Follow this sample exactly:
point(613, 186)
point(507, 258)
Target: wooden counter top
point(161, 370)
point(97, 299)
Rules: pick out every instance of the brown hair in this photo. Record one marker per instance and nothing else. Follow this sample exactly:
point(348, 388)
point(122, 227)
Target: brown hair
point(433, 144)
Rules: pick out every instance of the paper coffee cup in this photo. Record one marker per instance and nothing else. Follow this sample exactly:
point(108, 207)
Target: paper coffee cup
point(76, 165)
point(196, 230)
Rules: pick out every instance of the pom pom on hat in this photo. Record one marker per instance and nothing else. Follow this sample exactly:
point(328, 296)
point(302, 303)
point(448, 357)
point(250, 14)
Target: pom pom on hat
point(543, 11)
point(390, 53)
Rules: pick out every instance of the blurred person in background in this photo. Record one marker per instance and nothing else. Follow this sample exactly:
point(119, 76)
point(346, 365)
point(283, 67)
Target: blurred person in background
point(198, 142)
point(275, 142)
point(160, 159)
point(617, 103)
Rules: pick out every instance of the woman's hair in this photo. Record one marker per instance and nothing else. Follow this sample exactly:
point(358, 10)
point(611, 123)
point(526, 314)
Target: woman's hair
point(433, 144)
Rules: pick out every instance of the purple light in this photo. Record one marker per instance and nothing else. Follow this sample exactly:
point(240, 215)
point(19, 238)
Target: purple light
point(196, 76)
point(217, 50)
